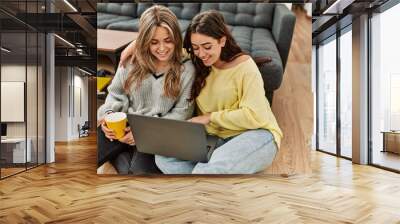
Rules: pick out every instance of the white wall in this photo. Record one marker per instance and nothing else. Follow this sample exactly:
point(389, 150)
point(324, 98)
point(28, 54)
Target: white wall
point(81, 81)
point(79, 102)
point(14, 73)
point(33, 127)
point(61, 103)
point(71, 102)
point(17, 73)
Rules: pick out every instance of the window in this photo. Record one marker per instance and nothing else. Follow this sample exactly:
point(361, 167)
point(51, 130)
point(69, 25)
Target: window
point(385, 86)
point(327, 96)
point(346, 75)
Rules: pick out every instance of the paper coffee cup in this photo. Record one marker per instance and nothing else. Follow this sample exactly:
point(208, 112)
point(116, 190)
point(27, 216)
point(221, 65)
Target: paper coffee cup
point(117, 122)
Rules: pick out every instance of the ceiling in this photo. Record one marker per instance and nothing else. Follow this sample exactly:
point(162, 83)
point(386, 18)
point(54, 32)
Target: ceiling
point(76, 25)
point(328, 16)
point(79, 27)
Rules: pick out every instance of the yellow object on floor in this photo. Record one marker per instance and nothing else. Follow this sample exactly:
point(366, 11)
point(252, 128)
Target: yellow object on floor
point(102, 82)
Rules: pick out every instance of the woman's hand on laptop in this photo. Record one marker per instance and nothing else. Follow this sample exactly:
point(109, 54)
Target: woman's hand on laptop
point(128, 138)
point(203, 119)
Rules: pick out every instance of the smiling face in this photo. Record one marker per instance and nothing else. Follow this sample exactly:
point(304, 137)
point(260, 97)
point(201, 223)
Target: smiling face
point(207, 48)
point(161, 44)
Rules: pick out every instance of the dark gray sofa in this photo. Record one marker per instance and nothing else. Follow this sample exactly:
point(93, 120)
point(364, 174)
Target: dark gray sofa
point(263, 30)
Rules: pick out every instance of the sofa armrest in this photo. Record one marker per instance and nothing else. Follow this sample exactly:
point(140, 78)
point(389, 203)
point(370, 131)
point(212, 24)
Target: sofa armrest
point(282, 30)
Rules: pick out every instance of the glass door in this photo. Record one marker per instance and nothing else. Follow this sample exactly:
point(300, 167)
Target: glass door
point(13, 102)
point(22, 77)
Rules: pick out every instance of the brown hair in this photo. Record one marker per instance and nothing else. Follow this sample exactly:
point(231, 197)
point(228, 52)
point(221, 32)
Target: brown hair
point(210, 23)
point(144, 62)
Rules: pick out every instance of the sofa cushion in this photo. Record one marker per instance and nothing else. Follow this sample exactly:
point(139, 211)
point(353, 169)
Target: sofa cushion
point(141, 7)
point(122, 9)
point(105, 19)
point(265, 46)
point(259, 43)
point(101, 7)
point(183, 24)
point(133, 25)
point(128, 25)
point(244, 14)
point(184, 10)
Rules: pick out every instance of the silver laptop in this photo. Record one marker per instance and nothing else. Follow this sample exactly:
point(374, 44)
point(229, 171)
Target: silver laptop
point(173, 138)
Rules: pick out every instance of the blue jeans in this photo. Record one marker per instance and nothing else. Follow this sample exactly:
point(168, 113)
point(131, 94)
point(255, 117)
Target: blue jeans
point(247, 153)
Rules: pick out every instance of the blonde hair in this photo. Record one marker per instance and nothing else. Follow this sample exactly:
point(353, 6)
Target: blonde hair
point(144, 62)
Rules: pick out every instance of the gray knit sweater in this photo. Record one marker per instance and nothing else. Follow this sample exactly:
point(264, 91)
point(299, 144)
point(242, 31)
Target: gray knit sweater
point(149, 98)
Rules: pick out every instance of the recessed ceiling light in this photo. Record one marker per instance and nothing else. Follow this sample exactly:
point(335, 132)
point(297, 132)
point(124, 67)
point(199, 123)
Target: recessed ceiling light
point(5, 49)
point(338, 6)
point(64, 40)
point(84, 71)
point(70, 5)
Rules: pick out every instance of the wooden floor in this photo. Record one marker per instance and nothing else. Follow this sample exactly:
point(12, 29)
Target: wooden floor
point(69, 191)
point(5, 172)
point(386, 159)
point(10, 171)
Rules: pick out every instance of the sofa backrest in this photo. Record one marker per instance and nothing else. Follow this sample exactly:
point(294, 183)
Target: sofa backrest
point(181, 10)
point(122, 9)
point(235, 14)
point(244, 14)
point(141, 7)
point(184, 10)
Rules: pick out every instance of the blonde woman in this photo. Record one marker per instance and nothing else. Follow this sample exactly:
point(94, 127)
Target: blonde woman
point(155, 83)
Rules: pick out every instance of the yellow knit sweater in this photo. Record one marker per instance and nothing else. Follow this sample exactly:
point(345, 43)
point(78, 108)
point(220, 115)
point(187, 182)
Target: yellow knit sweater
point(236, 99)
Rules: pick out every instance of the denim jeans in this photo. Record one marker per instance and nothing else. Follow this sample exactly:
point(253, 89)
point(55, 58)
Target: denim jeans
point(247, 153)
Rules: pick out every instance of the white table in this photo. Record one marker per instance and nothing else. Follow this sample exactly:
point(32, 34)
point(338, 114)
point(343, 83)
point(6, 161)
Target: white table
point(18, 149)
